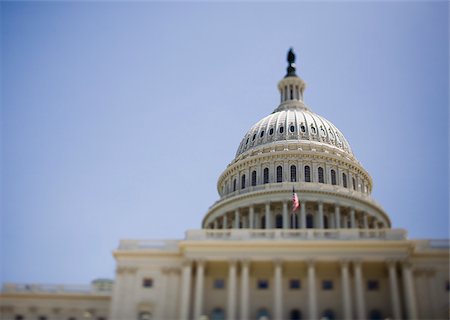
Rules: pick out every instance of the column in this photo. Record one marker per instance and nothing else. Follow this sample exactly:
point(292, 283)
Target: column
point(408, 288)
point(257, 220)
point(268, 217)
point(337, 216)
point(244, 289)
point(231, 303)
point(303, 215)
point(345, 221)
point(352, 218)
point(359, 291)
point(252, 217)
point(236, 219)
point(198, 309)
point(312, 303)
point(346, 296)
point(393, 286)
point(216, 224)
point(365, 220)
point(278, 290)
point(225, 222)
point(320, 212)
point(185, 290)
point(285, 216)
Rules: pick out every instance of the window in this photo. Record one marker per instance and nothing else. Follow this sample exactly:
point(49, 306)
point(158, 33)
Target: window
point(281, 129)
point(243, 181)
point(291, 128)
point(309, 221)
point(147, 282)
point(320, 172)
point(295, 314)
point(313, 130)
point(302, 128)
point(145, 315)
point(328, 315)
point(279, 221)
point(344, 180)
point(254, 178)
point(354, 183)
point(375, 315)
point(327, 285)
point(293, 173)
point(263, 222)
point(325, 222)
point(261, 134)
point(307, 174)
point(266, 175)
point(333, 177)
point(263, 314)
point(19, 317)
point(219, 283)
point(271, 131)
point(42, 318)
point(373, 285)
point(295, 284)
point(254, 137)
point(263, 284)
point(218, 314)
point(447, 286)
point(246, 142)
point(279, 174)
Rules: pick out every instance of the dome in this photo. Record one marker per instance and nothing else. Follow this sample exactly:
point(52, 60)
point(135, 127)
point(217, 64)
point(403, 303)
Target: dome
point(294, 122)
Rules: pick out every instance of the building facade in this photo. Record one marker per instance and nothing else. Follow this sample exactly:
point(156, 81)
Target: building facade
point(258, 257)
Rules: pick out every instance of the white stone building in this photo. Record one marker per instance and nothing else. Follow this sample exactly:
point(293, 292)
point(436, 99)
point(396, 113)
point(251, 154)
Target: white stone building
point(335, 257)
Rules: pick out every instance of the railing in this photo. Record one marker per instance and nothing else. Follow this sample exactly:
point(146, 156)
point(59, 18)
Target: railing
point(433, 244)
point(163, 245)
point(303, 234)
point(50, 288)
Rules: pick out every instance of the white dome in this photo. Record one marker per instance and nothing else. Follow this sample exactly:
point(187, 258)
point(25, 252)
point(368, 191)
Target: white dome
point(293, 122)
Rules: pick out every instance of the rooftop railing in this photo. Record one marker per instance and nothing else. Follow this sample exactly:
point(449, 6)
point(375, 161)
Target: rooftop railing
point(60, 289)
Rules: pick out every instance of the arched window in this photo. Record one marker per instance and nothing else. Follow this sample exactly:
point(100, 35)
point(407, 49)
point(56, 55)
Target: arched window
point(302, 128)
point(279, 221)
point(354, 183)
point(344, 180)
point(295, 314)
point(263, 222)
point(293, 173)
point(307, 174)
point(145, 315)
point(279, 174)
point(254, 178)
point(243, 181)
point(291, 128)
point(375, 315)
point(320, 173)
point(266, 175)
point(309, 221)
point(234, 185)
point(218, 314)
point(263, 314)
point(333, 177)
point(328, 315)
point(281, 129)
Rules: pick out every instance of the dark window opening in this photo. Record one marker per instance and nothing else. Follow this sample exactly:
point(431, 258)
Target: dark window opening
point(254, 137)
point(263, 222)
point(263, 284)
point(307, 174)
point(292, 128)
point(328, 315)
point(234, 185)
point(262, 134)
point(243, 181)
point(344, 180)
point(295, 284)
point(333, 177)
point(313, 130)
point(327, 285)
point(295, 315)
point(309, 221)
point(254, 178)
point(320, 172)
point(293, 173)
point(266, 175)
point(147, 282)
point(218, 314)
point(271, 131)
point(375, 315)
point(373, 285)
point(219, 283)
point(354, 183)
point(279, 174)
point(279, 221)
point(281, 129)
point(303, 128)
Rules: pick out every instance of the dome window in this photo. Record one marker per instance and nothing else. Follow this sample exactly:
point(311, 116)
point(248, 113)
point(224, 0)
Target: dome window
point(281, 129)
point(266, 175)
point(293, 173)
point(320, 173)
point(344, 180)
point(243, 181)
point(254, 137)
point(303, 128)
point(322, 132)
point(234, 185)
point(313, 130)
point(246, 142)
point(253, 178)
point(333, 177)
point(279, 174)
point(307, 174)
point(271, 131)
point(292, 128)
point(354, 183)
point(262, 134)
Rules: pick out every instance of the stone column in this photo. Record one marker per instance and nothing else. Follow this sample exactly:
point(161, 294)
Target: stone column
point(215, 224)
point(236, 219)
point(320, 212)
point(231, 303)
point(268, 216)
point(346, 295)
point(225, 222)
point(352, 218)
point(252, 217)
point(345, 221)
point(393, 288)
point(359, 291)
point(244, 289)
point(198, 308)
point(278, 290)
point(257, 220)
point(185, 290)
point(303, 215)
point(285, 216)
point(409, 291)
point(337, 216)
point(365, 220)
point(312, 303)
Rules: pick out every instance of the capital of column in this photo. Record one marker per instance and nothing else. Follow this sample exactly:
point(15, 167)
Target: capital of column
point(187, 262)
point(278, 262)
point(344, 262)
point(200, 262)
point(245, 262)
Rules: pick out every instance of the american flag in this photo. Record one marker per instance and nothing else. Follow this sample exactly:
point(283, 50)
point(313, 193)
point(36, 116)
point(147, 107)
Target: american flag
point(295, 203)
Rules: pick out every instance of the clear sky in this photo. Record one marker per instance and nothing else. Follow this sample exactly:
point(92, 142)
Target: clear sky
point(117, 118)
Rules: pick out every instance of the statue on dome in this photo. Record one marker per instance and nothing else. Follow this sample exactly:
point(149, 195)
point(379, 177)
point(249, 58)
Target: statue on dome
point(291, 61)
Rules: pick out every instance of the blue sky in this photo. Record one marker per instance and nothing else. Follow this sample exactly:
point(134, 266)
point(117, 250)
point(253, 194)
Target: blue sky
point(117, 118)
